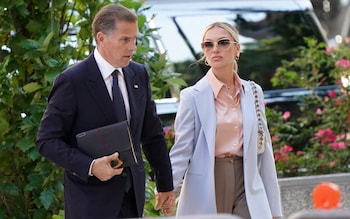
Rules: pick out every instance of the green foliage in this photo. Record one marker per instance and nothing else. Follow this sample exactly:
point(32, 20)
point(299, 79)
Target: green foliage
point(162, 77)
point(149, 210)
point(30, 59)
point(306, 70)
point(39, 40)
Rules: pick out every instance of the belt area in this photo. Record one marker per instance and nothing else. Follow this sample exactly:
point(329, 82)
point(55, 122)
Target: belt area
point(229, 156)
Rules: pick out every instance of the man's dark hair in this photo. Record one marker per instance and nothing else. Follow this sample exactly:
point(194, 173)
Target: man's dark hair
point(107, 18)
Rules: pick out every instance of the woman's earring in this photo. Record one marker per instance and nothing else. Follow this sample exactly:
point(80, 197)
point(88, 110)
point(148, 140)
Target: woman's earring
point(206, 62)
point(237, 58)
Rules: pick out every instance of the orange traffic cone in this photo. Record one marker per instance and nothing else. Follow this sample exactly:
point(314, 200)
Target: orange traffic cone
point(327, 196)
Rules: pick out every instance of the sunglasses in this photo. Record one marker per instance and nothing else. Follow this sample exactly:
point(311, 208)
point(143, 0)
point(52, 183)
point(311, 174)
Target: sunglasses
point(223, 44)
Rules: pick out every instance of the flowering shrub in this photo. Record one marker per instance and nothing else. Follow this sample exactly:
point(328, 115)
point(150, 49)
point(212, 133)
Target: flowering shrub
point(325, 141)
point(317, 140)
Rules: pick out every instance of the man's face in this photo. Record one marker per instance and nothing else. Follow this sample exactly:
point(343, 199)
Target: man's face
point(118, 47)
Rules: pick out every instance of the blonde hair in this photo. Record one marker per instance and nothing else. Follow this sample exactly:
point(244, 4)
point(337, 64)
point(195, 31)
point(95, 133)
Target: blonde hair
point(233, 33)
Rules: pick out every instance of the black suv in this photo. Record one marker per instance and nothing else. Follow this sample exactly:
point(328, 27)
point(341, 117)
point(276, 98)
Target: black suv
point(270, 31)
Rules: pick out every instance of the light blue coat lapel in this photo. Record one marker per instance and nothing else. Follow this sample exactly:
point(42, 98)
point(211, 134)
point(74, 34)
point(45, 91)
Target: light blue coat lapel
point(205, 105)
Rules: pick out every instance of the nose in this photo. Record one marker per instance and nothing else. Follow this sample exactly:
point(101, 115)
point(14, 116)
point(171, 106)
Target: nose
point(216, 47)
point(132, 46)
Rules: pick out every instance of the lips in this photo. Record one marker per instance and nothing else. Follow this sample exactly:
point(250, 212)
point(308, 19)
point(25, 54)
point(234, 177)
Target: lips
point(216, 58)
point(127, 57)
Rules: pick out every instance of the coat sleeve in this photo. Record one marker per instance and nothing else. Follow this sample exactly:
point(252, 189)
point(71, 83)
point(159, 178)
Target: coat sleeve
point(153, 141)
point(52, 140)
point(181, 152)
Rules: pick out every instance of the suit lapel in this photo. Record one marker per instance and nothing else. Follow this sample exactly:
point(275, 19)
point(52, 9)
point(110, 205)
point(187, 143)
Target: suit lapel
point(204, 102)
point(132, 86)
point(97, 88)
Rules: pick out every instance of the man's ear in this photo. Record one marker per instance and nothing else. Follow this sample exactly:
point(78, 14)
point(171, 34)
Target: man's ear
point(100, 37)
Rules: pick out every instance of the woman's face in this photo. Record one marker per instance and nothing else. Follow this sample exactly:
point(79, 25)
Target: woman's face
point(219, 48)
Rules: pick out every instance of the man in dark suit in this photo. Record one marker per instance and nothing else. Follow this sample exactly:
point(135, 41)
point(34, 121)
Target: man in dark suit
point(82, 99)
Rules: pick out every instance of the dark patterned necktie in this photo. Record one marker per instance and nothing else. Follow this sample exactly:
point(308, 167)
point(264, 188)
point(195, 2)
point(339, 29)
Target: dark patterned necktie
point(118, 101)
point(119, 108)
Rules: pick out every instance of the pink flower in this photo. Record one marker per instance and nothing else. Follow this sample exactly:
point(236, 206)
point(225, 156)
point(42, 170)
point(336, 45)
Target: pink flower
point(282, 153)
point(286, 115)
point(329, 50)
point(299, 153)
point(274, 138)
point(277, 156)
point(338, 145)
point(318, 111)
point(281, 157)
point(288, 148)
point(344, 63)
point(332, 93)
point(325, 136)
point(167, 131)
point(337, 102)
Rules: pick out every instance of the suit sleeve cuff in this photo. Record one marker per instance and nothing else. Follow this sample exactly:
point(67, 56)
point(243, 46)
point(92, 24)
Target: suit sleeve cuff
point(90, 168)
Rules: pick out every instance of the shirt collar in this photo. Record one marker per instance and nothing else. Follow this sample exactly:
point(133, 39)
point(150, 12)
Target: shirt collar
point(106, 69)
point(217, 84)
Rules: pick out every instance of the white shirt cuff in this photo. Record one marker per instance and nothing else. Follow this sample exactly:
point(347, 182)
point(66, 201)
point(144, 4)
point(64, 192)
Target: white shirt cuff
point(90, 174)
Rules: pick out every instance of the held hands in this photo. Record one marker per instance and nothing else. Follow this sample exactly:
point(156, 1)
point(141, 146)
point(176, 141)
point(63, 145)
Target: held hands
point(102, 168)
point(166, 202)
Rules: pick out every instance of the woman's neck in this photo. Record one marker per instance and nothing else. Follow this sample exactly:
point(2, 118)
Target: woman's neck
point(225, 76)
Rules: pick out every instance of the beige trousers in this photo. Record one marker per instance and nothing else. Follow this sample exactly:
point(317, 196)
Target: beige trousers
point(229, 187)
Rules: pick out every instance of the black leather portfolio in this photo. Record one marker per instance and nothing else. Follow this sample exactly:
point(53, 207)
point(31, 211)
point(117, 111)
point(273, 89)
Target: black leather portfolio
point(106, 140)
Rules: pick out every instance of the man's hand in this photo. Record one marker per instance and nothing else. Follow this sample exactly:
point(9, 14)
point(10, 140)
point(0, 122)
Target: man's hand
point(102, 168)
point(166, 202)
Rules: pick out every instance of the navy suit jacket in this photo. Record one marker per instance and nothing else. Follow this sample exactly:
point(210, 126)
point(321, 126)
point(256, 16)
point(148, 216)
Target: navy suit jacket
point(79, 101)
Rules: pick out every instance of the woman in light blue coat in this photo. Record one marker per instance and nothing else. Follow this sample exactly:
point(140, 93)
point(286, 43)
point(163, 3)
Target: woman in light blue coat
point(217, 158)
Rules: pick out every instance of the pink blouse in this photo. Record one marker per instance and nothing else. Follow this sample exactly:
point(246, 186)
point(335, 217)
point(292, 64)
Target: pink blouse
point(229, 134)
